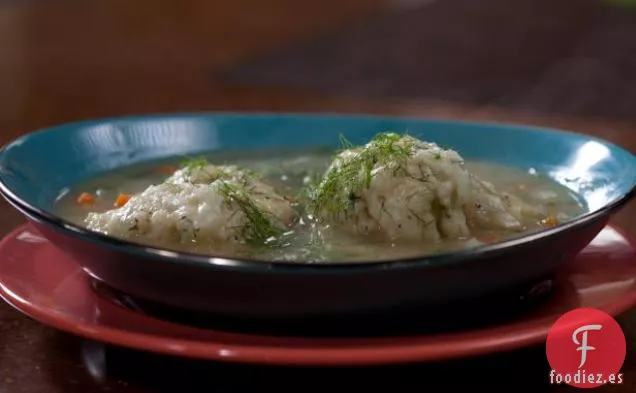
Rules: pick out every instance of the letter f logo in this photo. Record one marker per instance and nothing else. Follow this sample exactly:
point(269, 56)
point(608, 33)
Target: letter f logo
point(583, 344)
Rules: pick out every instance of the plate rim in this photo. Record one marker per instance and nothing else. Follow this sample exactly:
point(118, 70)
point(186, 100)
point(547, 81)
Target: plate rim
point(341, 352)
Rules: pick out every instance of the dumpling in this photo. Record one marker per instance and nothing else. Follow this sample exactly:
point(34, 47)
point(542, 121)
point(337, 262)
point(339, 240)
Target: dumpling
point(405, 188)
point(200, 203)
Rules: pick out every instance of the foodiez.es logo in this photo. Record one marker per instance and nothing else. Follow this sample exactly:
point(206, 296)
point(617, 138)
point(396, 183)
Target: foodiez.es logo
point(586, 348)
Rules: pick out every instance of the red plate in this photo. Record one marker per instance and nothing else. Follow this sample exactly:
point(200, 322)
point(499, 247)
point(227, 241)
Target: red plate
point(39, 280)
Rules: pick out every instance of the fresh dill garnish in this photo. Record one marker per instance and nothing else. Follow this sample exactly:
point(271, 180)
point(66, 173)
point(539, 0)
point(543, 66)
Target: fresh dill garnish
point(193, 164)
point(339, 189)
point(345, 143)
point(235, 187)
point(306, 192)
point(209, 173)
point(259, 228)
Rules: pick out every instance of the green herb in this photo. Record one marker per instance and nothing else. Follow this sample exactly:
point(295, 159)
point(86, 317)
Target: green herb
point(220, 172)
point(345, 143)
point(342, 185)
point(193, 164)
point(259, 227)
point(306, 193)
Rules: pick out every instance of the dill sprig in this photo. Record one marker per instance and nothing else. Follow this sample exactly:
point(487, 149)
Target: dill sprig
point(193, 164)
point(340, 188)
point(259, 228)
point(235, 187)
point(217, 172)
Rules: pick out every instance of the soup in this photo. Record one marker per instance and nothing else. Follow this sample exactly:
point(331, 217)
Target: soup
point(396, 199)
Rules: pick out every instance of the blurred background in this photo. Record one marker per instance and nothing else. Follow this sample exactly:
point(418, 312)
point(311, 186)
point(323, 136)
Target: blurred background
point(65, 60)
point(564, 63)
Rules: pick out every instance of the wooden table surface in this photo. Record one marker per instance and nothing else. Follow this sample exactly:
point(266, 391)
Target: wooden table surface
point(547, 62)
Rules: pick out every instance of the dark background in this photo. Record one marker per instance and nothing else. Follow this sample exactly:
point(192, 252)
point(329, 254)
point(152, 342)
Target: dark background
point(565, 63)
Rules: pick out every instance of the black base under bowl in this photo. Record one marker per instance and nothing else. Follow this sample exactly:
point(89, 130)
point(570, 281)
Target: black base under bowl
point(489, 310)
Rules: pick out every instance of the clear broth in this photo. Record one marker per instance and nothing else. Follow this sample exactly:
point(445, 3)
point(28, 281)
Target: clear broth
point(288, 172)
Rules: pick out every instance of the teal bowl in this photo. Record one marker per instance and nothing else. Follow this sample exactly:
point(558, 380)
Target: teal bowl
point(36, 167)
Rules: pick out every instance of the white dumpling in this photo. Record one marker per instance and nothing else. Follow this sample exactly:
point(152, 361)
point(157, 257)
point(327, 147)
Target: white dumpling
point(404, 188)
point(204, 203)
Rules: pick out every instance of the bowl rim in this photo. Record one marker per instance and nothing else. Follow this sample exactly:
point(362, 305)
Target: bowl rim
point(444, 259)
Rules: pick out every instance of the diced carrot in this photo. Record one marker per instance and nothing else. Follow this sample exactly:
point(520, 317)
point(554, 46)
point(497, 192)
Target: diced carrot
point(85, 199)
point(488, 238)
point(167, 169)
point(550, 221)
point(121, 200)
